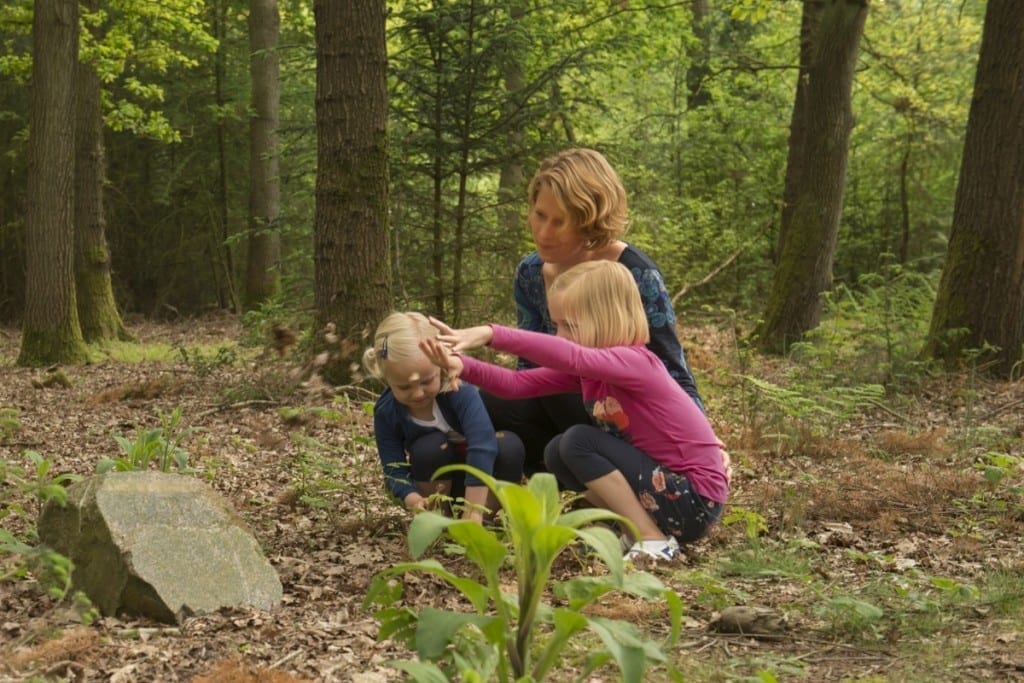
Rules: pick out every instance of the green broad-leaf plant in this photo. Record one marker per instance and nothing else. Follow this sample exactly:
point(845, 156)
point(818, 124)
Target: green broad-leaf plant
point(160, 446)
point(519, 636)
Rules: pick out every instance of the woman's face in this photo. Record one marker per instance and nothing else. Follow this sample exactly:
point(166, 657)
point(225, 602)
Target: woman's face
point(415, 383)
point(556, 238)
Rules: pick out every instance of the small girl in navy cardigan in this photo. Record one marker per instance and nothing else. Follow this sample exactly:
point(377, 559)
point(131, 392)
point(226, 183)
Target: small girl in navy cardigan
point(419, 426)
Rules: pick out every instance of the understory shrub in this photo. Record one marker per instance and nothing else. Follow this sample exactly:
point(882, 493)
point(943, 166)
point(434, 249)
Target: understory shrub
point(519, 636)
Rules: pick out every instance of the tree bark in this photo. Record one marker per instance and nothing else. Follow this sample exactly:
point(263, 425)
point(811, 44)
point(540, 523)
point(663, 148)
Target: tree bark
point(352, 274)
point(816, 172)
point(512, 177)
point(51, 333)
point(98, 314)
point(981, 293)
point(262, 280)
point(221, 258)
point(700, 54)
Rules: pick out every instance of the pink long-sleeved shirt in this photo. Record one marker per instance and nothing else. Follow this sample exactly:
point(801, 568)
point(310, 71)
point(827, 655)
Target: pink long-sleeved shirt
point(626, 389)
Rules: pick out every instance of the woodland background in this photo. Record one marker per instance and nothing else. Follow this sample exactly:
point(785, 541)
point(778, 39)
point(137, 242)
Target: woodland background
point(199, 128)
point(181, 178)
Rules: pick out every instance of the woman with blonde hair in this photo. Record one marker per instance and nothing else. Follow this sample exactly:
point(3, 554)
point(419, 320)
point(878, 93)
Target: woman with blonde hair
point(649, 453)
point(578, 213)
point(419, 426)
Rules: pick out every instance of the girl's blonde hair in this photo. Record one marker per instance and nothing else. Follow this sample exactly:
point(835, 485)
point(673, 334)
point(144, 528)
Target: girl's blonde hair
point(601, 304)
point(398, 339)
point(590, 192)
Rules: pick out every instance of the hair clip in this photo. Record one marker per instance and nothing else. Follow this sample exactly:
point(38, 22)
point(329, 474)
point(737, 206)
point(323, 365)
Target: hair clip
point(384, 348)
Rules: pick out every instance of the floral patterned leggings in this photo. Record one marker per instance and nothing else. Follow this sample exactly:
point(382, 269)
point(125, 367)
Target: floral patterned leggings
point(584, 453)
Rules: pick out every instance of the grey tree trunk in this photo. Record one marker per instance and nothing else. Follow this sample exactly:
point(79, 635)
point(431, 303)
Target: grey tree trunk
point(262, 275)
point(51, 333)
point(512, 177)
point(97, 309)
point(981, 294)
point(350, 251)
point(816, 173)
point(221, 258)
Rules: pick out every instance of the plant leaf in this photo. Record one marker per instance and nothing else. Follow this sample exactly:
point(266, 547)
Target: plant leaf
point(437, 627)
point(425, 529)
point(424, 672)
point(475, 592)
point(625, 645)
point(482, 546)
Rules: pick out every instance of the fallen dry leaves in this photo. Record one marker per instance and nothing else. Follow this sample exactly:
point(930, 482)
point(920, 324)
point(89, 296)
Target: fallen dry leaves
point(327, 544)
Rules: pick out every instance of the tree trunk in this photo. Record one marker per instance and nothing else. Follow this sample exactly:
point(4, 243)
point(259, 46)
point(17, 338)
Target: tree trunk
point(816, 175)
point(262, 279)
point(798, 152)
point(352, 274)
point(512, 178)
point(98, 315)
point(220, 249)
point(981, 294)
point(51, 333)
point(700, 55)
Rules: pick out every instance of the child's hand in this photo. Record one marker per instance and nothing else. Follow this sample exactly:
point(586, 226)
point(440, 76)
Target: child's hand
point(464, 339)
point(414, 502)
point(437, 352)
point(726, 463)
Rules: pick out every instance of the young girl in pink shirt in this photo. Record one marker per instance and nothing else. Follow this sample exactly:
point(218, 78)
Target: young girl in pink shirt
point(650, 454)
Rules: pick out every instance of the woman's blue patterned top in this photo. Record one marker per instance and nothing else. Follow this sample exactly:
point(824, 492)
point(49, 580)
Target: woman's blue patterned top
point(532, 311)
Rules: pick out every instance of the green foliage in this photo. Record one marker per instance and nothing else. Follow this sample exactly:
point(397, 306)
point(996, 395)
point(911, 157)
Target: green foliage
point(912, 603)
point(799, 411)
point(695, 118)
point(317, 474)
point(750, 10)
point(705, 149)
point(129, 38)
point(911, 100)
point(160, 446)
point(853, 616)
point(873, 333)
point(203, 364)
point(458, 118)
point(766, 559)
point(835, 405)
point(754, 523)
point(9, 423)
point(35, 480)
point(322, 475)
point(996, 467)
point(258, 324)
point(518, 637)
point(1004, 592)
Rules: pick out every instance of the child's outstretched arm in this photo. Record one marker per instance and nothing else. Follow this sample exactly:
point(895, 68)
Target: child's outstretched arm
point(465, 338)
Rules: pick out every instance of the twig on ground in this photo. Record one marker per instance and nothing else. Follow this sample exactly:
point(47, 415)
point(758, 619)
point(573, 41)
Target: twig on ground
point(236, 406)
point(1001, 409)
point(288, 657)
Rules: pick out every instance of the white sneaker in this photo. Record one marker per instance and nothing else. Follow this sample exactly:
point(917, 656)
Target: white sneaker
point(667, 550)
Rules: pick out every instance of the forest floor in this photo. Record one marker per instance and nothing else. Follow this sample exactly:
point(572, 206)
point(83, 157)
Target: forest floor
point(885, 542)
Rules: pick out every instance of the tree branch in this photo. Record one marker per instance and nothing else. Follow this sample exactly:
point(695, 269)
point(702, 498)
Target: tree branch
point(709, 277)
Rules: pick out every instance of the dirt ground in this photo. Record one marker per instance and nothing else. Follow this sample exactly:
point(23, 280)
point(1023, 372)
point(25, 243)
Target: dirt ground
point(304, 476)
